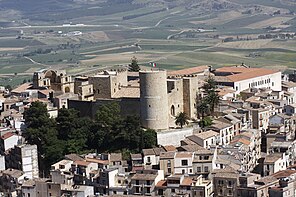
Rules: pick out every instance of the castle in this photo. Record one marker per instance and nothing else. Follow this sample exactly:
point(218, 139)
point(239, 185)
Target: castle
point(155, 95)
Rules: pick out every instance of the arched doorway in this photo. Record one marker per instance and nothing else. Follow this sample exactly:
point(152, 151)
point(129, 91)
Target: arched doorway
point(67, 89)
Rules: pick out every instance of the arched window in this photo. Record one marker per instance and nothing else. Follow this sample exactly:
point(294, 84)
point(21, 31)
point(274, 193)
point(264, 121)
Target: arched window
point(173, 110)
point(67, 89)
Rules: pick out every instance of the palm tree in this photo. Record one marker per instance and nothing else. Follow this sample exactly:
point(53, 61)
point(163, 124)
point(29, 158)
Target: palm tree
point(213, 100)
point(181, 119)
point(209, 85)
point(202, 108)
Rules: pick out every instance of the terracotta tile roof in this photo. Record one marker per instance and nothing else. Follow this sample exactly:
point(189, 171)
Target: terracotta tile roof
point(22, 88)
point(190, 148)
point(187, 181)
point(241, 140)
point(283, 173)
point(189, 71)
point(161, 183)
point(74, 157)
point(99, 161)
point(81, 163)
point(127, 92)
point(233, 69)
point(207, 134)
point(242, 73)
point(169, 148)
point(167, 155)
point(183, 154)
point(224, 91)
point(7, 135)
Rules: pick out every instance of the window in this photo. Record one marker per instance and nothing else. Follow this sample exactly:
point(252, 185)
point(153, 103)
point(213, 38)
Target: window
point(220, 182)
point(272, 83)
point(148, 182)
point(190, 170)
point(198, 169)
point(206, 169)
point(148, 159)
point(148, 190)
point(160, 192)
point(173, 190)
point(169, 170)
point(137, 182)
point(173, 110)
point(184, 162)
point(49, 186)
point(229, 183)
point(119, 181)
point(230, 192)
point(169, 163)
point(183, 171)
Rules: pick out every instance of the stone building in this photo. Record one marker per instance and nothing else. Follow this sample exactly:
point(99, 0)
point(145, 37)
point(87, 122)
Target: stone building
point(54, 80)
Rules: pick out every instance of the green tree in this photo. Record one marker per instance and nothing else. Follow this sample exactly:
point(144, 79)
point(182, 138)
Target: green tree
point(41, 130)
point(108, 115)
point(202, 108)
point(205, 122)
point(36, 116)
point(149, 138)
point(213, 100)
point(182, 119)
point(133, 66)
point(209, 85)
point(66, 122)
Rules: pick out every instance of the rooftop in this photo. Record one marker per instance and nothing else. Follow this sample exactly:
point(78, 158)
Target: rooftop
point(272, 158)
point(127, 92)
point(22, 88)
point(189, 71)
point(7, 135)
point(207, 134)
point(81, 163)
point(243, 73)
point(184, 154)
point(283, 173)
point(144, 177)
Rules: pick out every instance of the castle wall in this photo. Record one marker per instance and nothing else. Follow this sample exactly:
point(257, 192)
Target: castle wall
point(190, 87)
point(130, 106)
point(175, 99)
point(173, 137)
point(154, 99)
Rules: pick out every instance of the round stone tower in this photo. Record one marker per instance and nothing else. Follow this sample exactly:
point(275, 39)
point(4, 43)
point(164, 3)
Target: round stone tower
point(154, 99)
